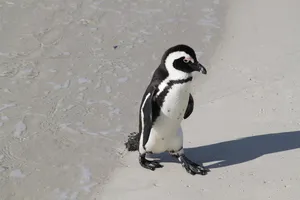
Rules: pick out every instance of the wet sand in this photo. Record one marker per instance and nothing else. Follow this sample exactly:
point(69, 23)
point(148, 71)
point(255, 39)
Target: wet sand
point(71, 77)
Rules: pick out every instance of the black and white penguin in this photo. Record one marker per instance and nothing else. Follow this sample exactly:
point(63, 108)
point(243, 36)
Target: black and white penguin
point(165, 103)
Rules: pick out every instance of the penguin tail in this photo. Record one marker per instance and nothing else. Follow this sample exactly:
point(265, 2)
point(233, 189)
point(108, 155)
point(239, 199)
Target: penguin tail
point(132, 143)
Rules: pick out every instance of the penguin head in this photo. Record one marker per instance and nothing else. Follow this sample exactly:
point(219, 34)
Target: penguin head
point(181, 60)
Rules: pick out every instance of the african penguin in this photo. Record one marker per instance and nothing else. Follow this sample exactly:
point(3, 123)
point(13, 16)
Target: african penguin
point(165, 103)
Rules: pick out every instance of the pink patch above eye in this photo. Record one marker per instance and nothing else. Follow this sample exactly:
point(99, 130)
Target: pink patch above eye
point(188, 59)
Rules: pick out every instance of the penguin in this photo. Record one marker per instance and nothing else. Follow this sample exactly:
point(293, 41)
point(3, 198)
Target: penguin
point(166, 102)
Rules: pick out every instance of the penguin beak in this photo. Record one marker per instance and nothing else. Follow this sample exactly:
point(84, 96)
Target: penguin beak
point(198, 67)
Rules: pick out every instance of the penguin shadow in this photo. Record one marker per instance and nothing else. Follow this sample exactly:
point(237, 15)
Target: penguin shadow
point(238, 151)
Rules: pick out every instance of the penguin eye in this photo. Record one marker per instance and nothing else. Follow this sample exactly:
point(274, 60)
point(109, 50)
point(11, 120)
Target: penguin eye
point(186, 61)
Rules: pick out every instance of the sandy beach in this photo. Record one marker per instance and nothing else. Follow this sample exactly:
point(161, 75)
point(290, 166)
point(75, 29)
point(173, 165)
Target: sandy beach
point(246, 124)
point(72, 74)
point(71, 77)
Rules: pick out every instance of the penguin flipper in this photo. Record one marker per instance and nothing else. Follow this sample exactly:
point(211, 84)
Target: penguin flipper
point(147, 121)
point(190, 107)
point(146, 110)
point(132, 143)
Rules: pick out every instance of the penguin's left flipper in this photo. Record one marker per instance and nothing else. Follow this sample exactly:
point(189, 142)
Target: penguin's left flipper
point(147, 125)
point(147, 110)
point(190, 107)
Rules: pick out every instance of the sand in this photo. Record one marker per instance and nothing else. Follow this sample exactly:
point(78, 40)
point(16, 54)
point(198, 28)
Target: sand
point(72, 74)
point(246, 123)
point(71, 77)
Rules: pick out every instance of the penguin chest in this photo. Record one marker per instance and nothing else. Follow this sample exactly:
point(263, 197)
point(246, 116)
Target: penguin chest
point(175, 102)
point(166, 133)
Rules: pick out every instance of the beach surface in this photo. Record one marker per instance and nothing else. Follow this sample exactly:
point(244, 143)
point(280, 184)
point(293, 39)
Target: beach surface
point(245, 126)
point(72, 74)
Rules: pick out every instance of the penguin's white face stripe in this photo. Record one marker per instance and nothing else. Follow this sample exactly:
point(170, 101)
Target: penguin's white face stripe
point(175, 74)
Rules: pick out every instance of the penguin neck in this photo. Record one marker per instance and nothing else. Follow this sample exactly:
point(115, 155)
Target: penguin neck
point(180, 76)
point(167, 83)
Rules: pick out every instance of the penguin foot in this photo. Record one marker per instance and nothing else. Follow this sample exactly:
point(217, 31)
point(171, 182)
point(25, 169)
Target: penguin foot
point(152, 165)
point(191, 167)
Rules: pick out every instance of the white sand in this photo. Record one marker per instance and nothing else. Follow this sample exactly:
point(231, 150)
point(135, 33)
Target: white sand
point(68, 98)
point(246, 123)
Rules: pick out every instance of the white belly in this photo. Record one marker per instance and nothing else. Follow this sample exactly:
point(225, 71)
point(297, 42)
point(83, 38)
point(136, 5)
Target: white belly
point(166, 133)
